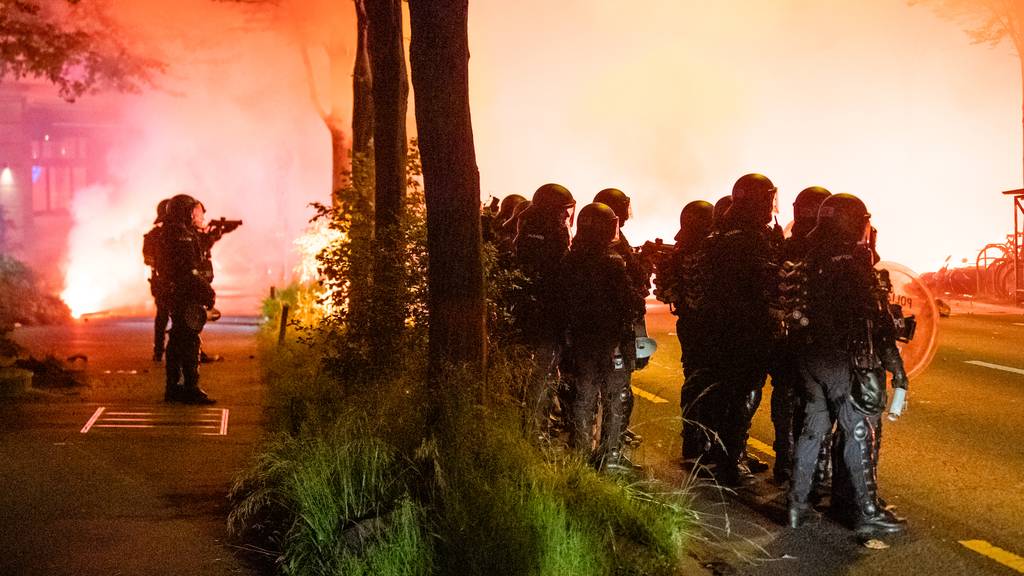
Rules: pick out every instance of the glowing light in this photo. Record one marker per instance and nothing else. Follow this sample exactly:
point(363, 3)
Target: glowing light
point(6, 176)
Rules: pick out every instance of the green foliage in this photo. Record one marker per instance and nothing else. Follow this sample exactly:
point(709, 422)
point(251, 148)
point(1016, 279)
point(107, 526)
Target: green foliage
point(364, 478)
point(23, 300)
point(345, 269)
point(333, 501)
point(505, 507)
point(71, 44)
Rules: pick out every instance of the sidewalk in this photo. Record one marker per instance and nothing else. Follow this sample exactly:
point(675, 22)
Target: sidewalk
point(113, 480)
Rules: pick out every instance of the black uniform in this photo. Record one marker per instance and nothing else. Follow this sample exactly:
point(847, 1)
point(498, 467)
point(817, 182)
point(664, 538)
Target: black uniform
point(158, 286)
point(541, 242)
point(598, 301)
point(190, 295)
point(787, 382)
point(639, 277)
point(737, 272)
point(842, 364)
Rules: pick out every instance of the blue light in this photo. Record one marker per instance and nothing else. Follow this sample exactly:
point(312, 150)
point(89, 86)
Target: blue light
point(37, 171)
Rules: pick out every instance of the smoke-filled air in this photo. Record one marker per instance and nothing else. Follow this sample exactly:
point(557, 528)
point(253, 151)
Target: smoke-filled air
point(668, 100)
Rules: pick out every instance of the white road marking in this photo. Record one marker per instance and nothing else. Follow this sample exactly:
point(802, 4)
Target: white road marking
point(95, 416)
point(995, 366)
point(648, 396)
point(1018, 323)
point(206, 419)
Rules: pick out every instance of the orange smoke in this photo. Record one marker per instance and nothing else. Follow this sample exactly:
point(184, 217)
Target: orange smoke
point(675, 101)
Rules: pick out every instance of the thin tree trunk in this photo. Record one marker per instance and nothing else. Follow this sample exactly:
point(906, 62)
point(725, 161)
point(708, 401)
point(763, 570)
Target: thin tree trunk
point(390, 95)
point(439, 58)
point(362, 83)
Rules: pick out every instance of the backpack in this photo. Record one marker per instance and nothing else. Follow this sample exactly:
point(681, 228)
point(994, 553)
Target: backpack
point(151, 246)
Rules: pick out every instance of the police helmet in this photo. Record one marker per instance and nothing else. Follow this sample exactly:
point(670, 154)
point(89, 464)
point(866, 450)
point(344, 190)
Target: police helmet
point(616, 200)
point(553, 196)
point(721, 207)
point(598, 225)
point(508, 206)
point(161, 210)
point(179, 208)
point(752, 187)
point(807, 202)
point(695, 220)
point(843, 218)
point(512, 223)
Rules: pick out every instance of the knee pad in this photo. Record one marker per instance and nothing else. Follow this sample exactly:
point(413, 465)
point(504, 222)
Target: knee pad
point(860, 431)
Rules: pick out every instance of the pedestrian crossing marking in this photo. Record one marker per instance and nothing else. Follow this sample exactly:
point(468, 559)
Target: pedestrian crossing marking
point(996, 553)
point(207, 421)
point(648, 396)
point(995, 366)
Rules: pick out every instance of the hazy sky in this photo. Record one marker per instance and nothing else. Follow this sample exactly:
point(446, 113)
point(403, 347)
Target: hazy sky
point(669, 100)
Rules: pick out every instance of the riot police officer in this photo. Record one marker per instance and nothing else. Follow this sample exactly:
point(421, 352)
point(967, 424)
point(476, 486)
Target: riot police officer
point(501, 235)
point(675, 285)
point(787, 387)
point(542, 239)
point(190, 296)
point(151, 242)
point(598, 303)
point(738, 270)
point(842, 371)
point(640, 282)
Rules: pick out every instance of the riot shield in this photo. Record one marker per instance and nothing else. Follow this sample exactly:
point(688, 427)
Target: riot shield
point(915, 298)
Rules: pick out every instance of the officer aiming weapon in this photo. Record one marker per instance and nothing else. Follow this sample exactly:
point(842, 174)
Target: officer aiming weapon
point(222, 226)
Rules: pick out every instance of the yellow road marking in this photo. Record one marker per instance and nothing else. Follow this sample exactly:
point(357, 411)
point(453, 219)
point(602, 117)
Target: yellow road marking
point(995, 553)
point(648, 396)
point(760, 446)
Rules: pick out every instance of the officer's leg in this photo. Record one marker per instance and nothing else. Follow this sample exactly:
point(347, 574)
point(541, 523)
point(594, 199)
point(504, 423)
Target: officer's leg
point(816, 424)
point(615, 397)
point(783, 408)
point(584, 409)
point(750, 406)
point(858, 455)
point(173, 389)
point(540, 388)
point(160, 329)
point(693, 403)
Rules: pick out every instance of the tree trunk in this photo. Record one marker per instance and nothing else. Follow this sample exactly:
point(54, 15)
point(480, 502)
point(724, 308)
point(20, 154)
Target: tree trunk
point(439, 58)
point(390, 95)
point(339, 157)
point(362, 83)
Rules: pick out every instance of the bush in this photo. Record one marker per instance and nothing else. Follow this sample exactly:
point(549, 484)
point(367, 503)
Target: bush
point(371, 474)
point(334, 501)
point(23, 300)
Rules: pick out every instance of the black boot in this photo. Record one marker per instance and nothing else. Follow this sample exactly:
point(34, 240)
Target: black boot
point(174, 394)
point(879, 520)
point(197, 396)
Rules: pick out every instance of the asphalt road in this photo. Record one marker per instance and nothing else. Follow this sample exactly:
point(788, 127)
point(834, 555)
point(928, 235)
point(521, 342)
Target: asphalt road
point(953, 464)
point(110, 480)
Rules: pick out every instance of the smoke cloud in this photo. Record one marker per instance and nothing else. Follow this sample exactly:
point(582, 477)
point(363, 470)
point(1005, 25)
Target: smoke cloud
point(673, 100)
point(669, 100)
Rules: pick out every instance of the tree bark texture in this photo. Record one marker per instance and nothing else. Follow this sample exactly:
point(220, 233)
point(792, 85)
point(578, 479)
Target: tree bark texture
point(439, 58)
point(362, 82)
point(390, 96)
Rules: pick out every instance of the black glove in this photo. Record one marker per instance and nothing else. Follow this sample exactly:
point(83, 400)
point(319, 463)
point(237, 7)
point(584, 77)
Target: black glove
point(899, 379)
